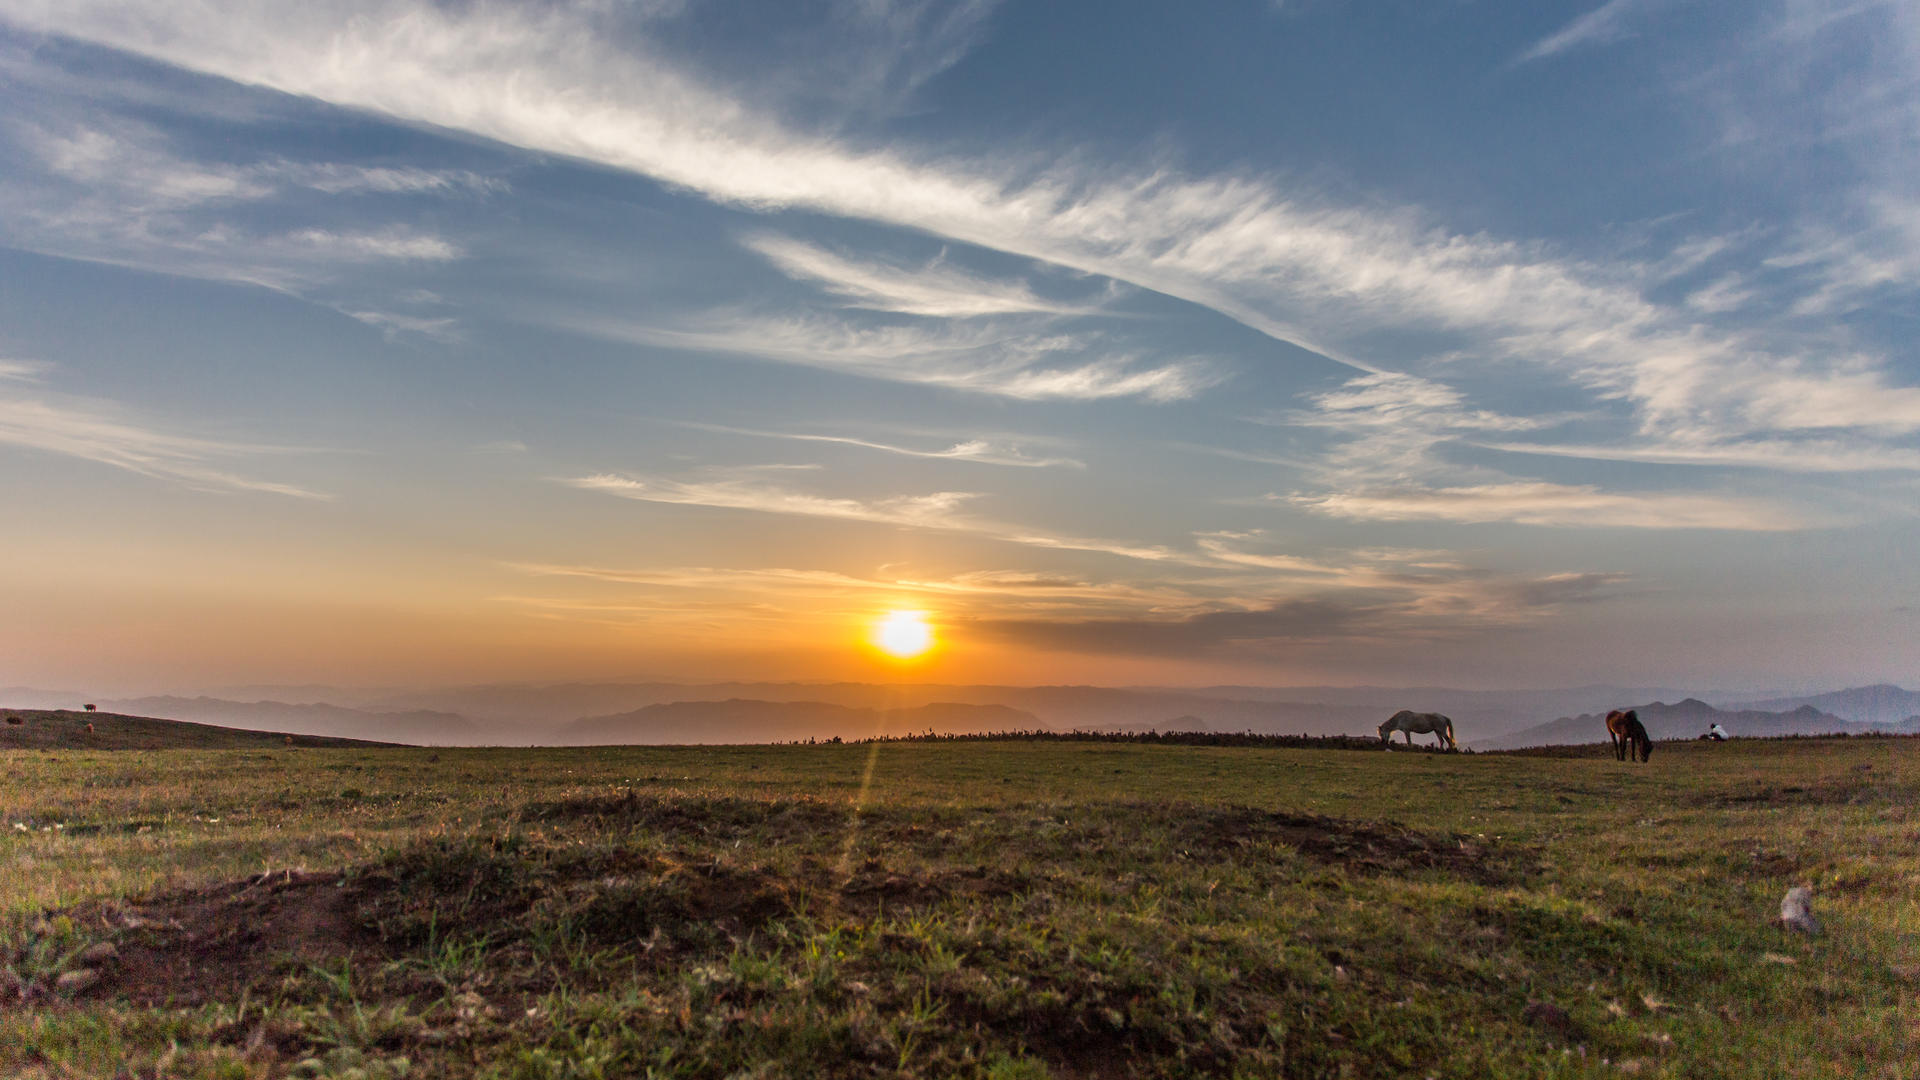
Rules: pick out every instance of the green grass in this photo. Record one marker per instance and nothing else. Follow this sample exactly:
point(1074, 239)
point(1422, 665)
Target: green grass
point(977, 909)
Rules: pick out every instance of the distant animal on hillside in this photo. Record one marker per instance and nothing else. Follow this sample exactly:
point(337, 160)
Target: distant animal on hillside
point(89, 729)
point(1419, 723)
point(90, 706)
point(15, 721)
point(1629, 735)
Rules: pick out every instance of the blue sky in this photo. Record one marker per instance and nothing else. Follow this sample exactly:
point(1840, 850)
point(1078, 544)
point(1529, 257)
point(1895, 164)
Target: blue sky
point(1482, 344)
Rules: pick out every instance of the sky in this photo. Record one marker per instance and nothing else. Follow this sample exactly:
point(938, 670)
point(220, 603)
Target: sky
point(1494, 344)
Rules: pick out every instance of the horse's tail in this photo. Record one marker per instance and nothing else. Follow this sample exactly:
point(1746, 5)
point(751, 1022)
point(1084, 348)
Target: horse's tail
point(1450, 739)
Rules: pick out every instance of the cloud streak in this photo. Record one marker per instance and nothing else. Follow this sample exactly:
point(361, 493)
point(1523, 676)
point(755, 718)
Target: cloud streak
point(1607, 23)
point(942, 510)
point(986, 358)
point(1556, 505)
point(978, 451)
point(933, 290)
point(90, 433)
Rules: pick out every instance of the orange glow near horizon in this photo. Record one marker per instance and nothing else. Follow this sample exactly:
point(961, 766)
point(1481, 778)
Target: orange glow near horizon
point(903, 635)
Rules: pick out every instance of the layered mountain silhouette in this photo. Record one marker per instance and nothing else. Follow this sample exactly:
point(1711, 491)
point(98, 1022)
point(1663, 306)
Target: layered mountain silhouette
point(1691, 718)
point(1882, 703)
point(740, 720)
point(735, 712)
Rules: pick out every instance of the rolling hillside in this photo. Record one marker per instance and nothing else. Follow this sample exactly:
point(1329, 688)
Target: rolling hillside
point(66, 729)
point(419, 727)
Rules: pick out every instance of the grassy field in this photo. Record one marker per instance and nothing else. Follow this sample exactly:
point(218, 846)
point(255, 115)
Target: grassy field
point(981, 909)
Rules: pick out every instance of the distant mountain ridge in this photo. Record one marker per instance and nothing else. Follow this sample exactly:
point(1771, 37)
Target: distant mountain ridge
point(1063, 707)
point(1689, 719)
point(1882, 703)
point(740, 720)
point(547, 713)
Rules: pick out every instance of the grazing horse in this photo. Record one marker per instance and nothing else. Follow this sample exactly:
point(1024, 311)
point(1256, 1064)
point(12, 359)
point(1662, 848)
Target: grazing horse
point(1421, 723)
point(1629, 735)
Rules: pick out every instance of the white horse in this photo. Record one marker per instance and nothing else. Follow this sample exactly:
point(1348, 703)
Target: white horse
point(1419, 723)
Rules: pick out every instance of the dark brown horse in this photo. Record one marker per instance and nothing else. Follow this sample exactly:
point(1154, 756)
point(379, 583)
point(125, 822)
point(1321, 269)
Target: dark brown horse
point(1629, 735)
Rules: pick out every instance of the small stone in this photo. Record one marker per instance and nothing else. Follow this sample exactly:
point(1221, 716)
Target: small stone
point(100, 952)
point(75, 981)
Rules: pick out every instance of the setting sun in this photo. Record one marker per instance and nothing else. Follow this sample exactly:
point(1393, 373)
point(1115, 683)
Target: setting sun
point(904, 634)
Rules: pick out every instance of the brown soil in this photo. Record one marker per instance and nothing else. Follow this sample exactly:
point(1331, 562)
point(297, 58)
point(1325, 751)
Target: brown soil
point(1362, 847)
point(197, 945)
point(874, 885)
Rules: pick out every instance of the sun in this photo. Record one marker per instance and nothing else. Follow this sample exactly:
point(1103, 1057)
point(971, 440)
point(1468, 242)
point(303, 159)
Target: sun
point(904, 634)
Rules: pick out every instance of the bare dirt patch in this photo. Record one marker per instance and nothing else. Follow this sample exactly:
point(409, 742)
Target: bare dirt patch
point(1361, 846)
point(197, 945)
point(874, 884)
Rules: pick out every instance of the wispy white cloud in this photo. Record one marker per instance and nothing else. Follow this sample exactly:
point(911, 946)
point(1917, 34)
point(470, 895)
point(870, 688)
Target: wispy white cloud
point(335, 178)
point(933, 289)
point(738, 489)
point(1607, 23)
point(390, 243)
point(132, 164)
point(938, 510)
point(87, 430)
point(1798, 456)
point(121, 192)
point(143, 168)
point(984, 451)
point(1559, 505)
point(392, 324)
point(977, 356)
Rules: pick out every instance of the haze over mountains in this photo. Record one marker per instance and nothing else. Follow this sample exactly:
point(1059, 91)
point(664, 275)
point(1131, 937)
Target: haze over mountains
point(1882, 703)
point(745, 721)
point(1691, 717)
point(732, 712)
